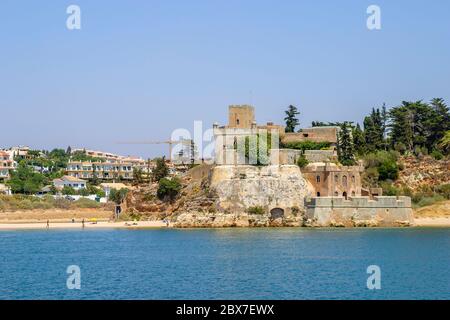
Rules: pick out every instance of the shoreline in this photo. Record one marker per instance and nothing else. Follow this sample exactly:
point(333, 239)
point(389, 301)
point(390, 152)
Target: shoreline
point(438, 222)
point(78, 225)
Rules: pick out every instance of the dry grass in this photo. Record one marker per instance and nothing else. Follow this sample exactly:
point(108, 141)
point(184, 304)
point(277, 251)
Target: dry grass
point(437, 210)
point(23, 203)
point(54, 215)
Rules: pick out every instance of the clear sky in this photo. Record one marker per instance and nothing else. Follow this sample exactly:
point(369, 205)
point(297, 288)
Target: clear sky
point(137, 70)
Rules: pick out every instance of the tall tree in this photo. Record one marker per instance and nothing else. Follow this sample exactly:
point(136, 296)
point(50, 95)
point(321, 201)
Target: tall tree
point(371, 134)
point(346, 150)
point(440, 122)
point(25, 180)
point(291, 118)
point(412, 125)
point(358, 140)
point(384, 123)
point(161, 170)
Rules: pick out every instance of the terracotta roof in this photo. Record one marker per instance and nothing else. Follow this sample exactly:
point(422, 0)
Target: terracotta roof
point(69, 178)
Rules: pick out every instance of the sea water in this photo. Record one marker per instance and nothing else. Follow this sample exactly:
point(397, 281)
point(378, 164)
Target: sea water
point(292, 263)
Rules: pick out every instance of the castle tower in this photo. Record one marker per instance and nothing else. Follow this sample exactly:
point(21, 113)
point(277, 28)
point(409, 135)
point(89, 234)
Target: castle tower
point(241, 116)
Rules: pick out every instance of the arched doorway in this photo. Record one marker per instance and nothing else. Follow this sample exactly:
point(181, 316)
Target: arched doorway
point(345, 195)
point(276, 213)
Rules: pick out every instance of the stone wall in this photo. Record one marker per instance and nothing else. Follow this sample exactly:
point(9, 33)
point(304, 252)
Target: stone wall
point(315, 134)
point(242, 187)
point(359, 212)
point(320, 155)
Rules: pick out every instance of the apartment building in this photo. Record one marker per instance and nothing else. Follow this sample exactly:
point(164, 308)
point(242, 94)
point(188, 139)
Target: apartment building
point(109, 170)
point(7, 164)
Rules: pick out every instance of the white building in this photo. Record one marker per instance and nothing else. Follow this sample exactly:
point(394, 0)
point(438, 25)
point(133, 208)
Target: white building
point(7, 164)
point(5, 189)
point(107, 187)
point(68, 181)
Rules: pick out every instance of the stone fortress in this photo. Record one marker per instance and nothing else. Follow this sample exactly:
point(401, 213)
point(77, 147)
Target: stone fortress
point(324, 193)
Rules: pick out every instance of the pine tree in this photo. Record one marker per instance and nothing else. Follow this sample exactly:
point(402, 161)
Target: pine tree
point(440, 122)
point(291, 118)
point(345, 148)
point(384, 121)
point(358, 140)
point(161, 170)
point(412, 125)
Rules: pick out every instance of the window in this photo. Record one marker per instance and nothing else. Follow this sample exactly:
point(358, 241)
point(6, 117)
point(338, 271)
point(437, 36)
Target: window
point(318, 194)
point(305, 135)
point(336, 178)
point(237, 121)
point(344, 180)
point(336, 193)
point(353, 179)
point(318, 179)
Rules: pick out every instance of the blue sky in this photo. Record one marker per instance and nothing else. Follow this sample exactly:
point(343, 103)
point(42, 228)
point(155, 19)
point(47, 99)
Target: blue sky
point(137, 70)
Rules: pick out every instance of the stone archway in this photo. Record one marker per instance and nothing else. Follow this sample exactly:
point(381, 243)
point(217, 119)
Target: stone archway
point(276, 213)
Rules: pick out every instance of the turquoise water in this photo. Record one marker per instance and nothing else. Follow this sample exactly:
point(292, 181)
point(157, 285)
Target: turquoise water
point(226, 264)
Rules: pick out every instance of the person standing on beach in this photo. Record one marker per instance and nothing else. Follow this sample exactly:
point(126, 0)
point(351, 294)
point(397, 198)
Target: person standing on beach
point(82, 223)
point(48, 224)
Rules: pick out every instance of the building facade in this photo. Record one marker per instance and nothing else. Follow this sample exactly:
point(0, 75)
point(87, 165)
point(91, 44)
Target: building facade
point(7, 165)
point(331, 180)
point(69, 181)
point(101, 170)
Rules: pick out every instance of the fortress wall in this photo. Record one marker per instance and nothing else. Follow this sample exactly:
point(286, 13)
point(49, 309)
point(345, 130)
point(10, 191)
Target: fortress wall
point(359, 211)
point(244, 186)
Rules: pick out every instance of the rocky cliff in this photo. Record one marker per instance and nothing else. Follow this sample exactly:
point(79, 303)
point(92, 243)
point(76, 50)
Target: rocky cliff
point(230, 196)
point(255, 196)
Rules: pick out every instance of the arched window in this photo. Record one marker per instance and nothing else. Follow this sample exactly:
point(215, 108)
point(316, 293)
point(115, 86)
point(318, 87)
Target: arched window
point(353, 179)
point(318, 194)
point(344, 180)
point(353, 193)
point(336, 194)
point(237, 121)
point(336, 178)
point(318, 179)
point(345, 195)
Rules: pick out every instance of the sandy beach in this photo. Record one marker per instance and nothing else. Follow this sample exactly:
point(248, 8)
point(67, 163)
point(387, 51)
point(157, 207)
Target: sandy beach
point(87, 225)
point(432, 222)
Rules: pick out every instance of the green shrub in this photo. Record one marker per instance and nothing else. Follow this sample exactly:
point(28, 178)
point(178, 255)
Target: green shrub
point(388, 170)
point(389, 189)
point(87, 203)
point(118, 196)
point(168, 188)
point(444, 190)
point(84, 192)
point(302, 161)
point(68, 191)
point(307, 145)
point(436, 154)
point(385, 163)
point(427, 200)
point(62, 203)
point(256, 210)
